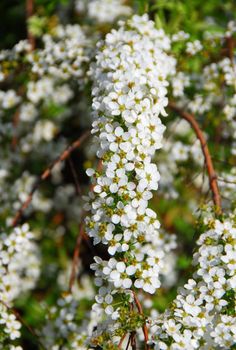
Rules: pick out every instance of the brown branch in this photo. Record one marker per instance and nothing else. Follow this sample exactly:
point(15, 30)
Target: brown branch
point(75, 176)
point(140, 310)
point(65, 154)
point(76, 257)
point(230, 49)
point(221, 179)
point(29, 13)
point(15, 123)
point(133, 341)
point(82, 235)
point(127, 345)
point(208, 160)
point(121, 340)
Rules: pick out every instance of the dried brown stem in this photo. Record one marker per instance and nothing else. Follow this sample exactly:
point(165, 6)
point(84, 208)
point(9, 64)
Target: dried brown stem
point(230, 47)
point(127, 346)
point(65, 154)
point(29, 13)
point(133, 341)
point(81, 236)
point(75, 176)
point(140, 310)
point(76, 257)
point(121, 341)
point(221, 179)
point(15, 124)
point(213, 183)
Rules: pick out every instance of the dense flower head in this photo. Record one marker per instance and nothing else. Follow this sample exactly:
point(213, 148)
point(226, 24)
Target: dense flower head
point(64, 53)
point(19, 272)
point(203, 314)
point(129, 94)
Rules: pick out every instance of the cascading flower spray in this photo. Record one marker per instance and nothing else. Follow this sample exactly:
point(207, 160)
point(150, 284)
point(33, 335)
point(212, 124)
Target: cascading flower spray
point(19, 272)
point(129, 93)
point(203, 314)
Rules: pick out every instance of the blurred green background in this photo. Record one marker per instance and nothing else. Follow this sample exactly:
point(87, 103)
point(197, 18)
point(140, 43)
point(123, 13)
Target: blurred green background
point(192, 16)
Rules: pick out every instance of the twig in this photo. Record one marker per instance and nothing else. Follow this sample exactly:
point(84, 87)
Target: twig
point(20, 319)
point(189, 183)
point(121, 341)
point(208, 160)
point(75, 176)
point(76, 257)
point(82, 235)
point(230, 47)
point(221, 179)
point(203, 180)
point(140, 310)
point(222, 161)
point(65, 154)
point(127, 346)
point(29, 13)
point(133, 341)
point(15, 124)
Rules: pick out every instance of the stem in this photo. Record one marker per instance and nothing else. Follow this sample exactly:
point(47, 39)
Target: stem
point(127, 346)
point(76, 257)
point(140, 310)
point(208, 160)
point(65, 154)
point(75, 177)
point(82, 235)
point(29, 13)
point(133, 341)
point(121, 341)
point(15, 124)
point(230, 47)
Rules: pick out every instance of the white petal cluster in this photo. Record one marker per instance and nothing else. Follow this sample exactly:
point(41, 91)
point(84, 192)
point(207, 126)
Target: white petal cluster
point(53, 74)
point(64, 53)
point(9, 323)
point(212, 92)
point(104, 11)
point(46, 89)
point(8, 99)
point(39, 90)
point(62, 326)
point(129, 92)
point(203, 314)
point(193, 47)
point(19, 271)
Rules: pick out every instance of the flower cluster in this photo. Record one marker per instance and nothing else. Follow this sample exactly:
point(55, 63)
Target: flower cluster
point(63, 55)
point(129, 94)
point(44, 91)
point(205, 89)
point(62, 331)
point(32, 113)
point(19, 271)
point(203, 314)
point(104, 11)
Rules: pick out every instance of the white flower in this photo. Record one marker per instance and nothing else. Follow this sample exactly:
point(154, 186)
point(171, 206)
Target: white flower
point(194, 47)
point(9, 99)
point(106, 11)
point(197, 310)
